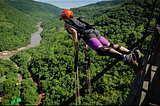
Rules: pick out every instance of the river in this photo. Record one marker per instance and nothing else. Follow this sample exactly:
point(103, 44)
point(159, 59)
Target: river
point(35, 41)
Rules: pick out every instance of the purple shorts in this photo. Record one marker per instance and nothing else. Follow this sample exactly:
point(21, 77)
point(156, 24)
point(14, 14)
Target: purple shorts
point(94, 43)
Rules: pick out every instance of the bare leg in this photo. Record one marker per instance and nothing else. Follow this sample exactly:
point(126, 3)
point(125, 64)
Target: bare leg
point(108, 51)
point(121, 49)
point(102, 50)
point(113, 51)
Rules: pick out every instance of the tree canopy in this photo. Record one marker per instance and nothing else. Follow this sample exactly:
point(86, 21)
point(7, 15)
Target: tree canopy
point(52, 62)
point(18, 19)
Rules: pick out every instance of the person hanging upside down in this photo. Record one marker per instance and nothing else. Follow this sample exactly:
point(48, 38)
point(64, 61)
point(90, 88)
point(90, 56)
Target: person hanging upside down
point(91, 36)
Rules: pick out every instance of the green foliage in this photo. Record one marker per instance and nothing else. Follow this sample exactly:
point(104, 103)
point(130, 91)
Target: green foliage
point(11, 75)
point(18, 19)
point(6, 67)
point(125, 25)
point(52, 67)
point(27, 91)
point(52, 62)
point(9, 85)
point(93, 11)
point(15, 27)
point(24, 71)
point(52, 9)
point(21, 58)
point(1, 87)
point(40, 11)
point(29, 94)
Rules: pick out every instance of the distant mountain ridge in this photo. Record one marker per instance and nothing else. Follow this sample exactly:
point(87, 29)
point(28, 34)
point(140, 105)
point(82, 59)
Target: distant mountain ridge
point(18, 19)
point(95, 10)
point(41, 11)
point(15, 27)
point(51, 8)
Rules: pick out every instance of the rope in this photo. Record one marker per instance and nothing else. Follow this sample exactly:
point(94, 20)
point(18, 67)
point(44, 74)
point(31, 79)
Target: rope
point(144, 36)
point(77, 93)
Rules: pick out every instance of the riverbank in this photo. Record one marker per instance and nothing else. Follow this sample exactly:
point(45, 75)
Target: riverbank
point(35, 41)
point(7, 54)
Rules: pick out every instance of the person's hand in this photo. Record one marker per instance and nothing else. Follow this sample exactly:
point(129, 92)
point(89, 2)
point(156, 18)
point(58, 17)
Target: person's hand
point(86, 46)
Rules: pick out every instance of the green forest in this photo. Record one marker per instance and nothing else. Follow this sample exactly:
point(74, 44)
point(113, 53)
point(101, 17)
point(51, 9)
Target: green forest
point(52, 62)
point(11, 89)
point(92, 11)
point(40, 11)
point(18, 19)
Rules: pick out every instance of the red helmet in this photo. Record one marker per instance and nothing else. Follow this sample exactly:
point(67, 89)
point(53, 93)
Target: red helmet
point(66, 13)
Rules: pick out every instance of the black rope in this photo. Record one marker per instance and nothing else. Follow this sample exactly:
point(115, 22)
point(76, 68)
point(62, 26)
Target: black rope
point(145, 34)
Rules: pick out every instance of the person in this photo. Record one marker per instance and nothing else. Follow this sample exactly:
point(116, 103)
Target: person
point(91, 36)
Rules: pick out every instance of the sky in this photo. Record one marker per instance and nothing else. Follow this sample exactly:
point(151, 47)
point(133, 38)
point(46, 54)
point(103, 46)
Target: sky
point(67, 4)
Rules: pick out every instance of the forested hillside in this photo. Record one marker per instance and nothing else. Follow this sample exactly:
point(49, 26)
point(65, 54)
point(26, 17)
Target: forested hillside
point(51, 8)
point(111, 79)
point(127, 23)
point(11, 88)
point(15, 27)
point(40, 11)
point(92, 11)
point(18, 22)
point(52, 62)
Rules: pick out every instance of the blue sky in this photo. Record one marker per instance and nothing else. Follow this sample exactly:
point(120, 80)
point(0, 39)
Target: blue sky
point(67, 4)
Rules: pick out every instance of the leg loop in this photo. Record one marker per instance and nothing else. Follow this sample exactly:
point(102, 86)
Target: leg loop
point(112, 46)
point(106, 52)
point(101, 51)
point(118, 48)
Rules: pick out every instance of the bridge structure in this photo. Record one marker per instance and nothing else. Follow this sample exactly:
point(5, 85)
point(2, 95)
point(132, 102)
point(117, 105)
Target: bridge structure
point(145, 89)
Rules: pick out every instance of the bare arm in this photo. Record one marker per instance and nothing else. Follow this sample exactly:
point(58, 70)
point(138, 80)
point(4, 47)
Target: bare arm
point(74, 35)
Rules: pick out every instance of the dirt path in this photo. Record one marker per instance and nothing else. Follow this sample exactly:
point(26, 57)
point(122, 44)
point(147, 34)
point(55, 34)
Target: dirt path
point(41, 96)
point(7, 54)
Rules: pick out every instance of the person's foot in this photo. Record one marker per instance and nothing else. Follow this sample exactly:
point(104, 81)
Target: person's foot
point(131, 62)
point(136, 55)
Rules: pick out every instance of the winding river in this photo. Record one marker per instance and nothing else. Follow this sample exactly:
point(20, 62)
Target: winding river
point(35, 41)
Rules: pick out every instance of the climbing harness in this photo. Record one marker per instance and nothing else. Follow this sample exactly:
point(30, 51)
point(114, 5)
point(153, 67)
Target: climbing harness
point(84, 29)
